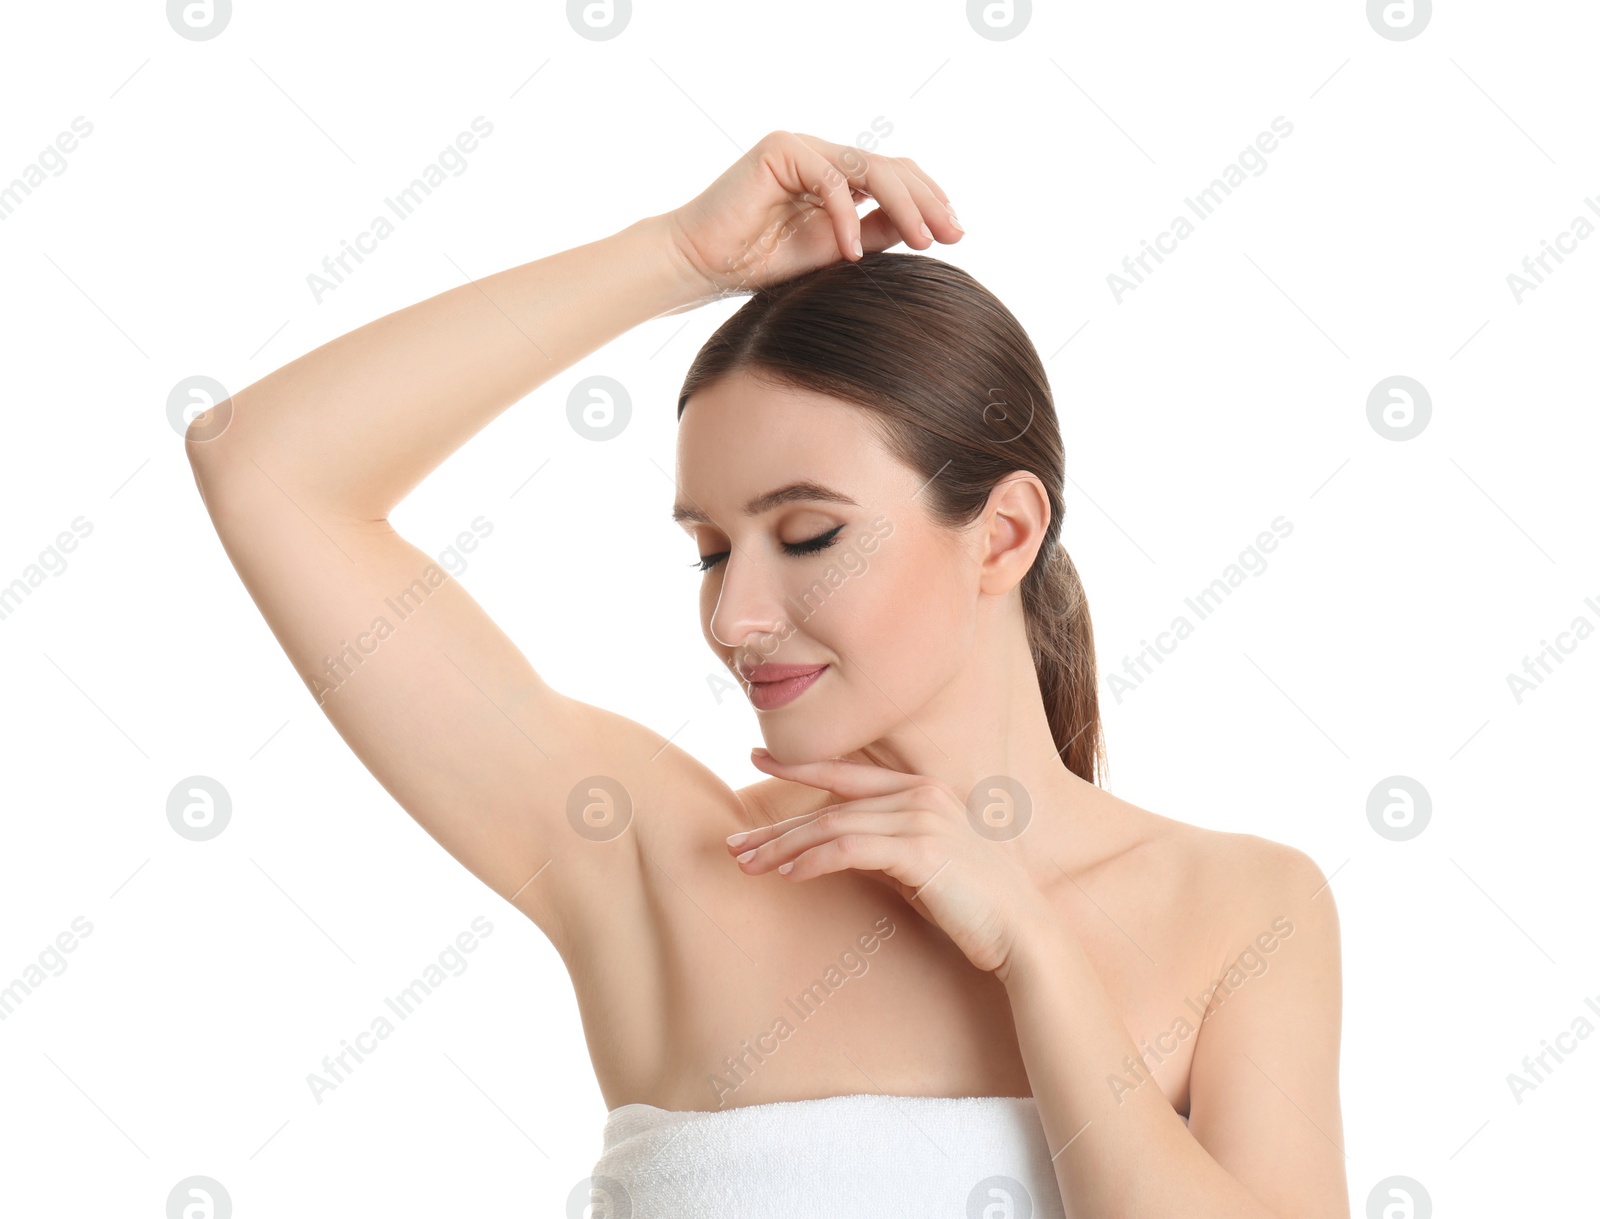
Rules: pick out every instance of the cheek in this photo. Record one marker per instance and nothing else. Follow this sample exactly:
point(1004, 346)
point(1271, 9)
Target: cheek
point(909, 619)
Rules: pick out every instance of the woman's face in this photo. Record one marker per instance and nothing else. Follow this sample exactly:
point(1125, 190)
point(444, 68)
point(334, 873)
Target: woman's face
point(841, 568)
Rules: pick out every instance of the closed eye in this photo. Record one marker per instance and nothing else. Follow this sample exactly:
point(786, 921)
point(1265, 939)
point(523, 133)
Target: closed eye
point(810, 546)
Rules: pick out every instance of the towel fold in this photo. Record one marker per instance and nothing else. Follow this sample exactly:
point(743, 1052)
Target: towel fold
point(867, 1155)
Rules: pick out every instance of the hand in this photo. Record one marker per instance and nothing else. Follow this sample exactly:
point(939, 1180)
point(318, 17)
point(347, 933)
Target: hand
point(912, 834)
point(789, 206)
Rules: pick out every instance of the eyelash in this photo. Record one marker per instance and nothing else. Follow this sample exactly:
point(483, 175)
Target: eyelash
point(810, 546)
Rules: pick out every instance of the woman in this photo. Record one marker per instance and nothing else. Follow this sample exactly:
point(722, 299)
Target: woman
point(1094, 1010)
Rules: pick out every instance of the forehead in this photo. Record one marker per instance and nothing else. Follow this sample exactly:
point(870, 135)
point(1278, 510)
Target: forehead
point(742, 439)
point(747, 409)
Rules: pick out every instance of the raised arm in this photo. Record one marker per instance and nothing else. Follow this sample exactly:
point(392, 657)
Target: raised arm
point(434, 699)
point(353, 426)
point(300, 470)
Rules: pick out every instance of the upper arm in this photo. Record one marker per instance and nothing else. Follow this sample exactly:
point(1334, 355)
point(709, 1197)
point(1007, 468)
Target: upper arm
point(530, 790)
point(1264, 1084)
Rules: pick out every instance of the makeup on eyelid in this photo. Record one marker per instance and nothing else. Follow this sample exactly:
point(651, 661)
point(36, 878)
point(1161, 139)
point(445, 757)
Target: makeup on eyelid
point(797, 549)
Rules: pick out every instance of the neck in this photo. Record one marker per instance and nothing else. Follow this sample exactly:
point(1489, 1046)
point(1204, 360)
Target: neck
point(987, 736)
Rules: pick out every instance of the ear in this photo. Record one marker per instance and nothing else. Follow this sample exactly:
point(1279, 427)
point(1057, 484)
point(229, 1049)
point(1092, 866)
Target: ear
point(1012, 530)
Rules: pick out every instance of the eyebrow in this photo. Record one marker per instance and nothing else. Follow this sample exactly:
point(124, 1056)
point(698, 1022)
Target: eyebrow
point(804, 491)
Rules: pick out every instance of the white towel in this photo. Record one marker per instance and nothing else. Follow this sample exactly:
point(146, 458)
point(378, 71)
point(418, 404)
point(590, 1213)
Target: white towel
point(867, 1155)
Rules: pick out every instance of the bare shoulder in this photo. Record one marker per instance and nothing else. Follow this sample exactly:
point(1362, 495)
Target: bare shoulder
point(1271, 1023)
point(1226, 889)
point(695, 808)
point(1265, 892)
point(771, 800)
point(1247, 927)
point(1246, 869)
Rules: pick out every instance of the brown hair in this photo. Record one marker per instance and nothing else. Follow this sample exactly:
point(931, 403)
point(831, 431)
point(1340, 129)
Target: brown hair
point(959, 394)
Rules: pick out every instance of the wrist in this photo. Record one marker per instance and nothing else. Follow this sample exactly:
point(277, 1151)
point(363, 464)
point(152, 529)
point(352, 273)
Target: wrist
point(1038, 936)
point(683, 285)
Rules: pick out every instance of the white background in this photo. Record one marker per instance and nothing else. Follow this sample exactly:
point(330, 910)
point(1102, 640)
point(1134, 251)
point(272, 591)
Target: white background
point(1227, 390)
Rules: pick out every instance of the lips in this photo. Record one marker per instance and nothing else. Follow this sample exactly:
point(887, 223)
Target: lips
point(773, 686)
point(775, 672)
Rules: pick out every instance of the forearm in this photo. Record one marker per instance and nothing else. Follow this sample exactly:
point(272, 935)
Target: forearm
point(359, 421)
point(1116, 1152)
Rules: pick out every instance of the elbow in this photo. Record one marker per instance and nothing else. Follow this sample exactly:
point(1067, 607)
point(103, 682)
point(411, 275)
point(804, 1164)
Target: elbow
point(204, 445)
point(201, 437)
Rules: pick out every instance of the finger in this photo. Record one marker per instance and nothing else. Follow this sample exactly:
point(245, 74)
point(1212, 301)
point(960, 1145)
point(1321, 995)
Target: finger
point(795, 842)
point(842, 776)
point(926, 179)
point(745, 839)
point(801, 169)
point(748, 839)
point(884, 181)
point(899, 215)
point(901, 858)
point(878, 231)
point(909, 198)
point(932, 202)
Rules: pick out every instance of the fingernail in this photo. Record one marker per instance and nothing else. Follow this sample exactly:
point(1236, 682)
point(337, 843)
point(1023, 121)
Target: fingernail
point(757, 752)
point(955, 222)
point(856, 246)
point(735, 839)
point(748, 855)
point(927, 232)
point(785, 867)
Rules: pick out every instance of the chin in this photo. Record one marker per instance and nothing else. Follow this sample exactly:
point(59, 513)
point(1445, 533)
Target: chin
point(817, 740)
point(834, 722)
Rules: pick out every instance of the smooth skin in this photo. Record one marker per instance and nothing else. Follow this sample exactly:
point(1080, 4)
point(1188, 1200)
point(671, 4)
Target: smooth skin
point(1051, 963)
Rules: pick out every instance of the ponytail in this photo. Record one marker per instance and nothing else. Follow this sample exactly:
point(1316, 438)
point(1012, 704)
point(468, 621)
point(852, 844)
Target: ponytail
point(1061, 638)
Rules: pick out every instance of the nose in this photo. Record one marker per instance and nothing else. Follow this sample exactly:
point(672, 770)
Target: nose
point(749, 614)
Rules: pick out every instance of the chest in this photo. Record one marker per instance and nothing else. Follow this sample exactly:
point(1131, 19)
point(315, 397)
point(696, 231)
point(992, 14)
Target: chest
point(751, 989)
